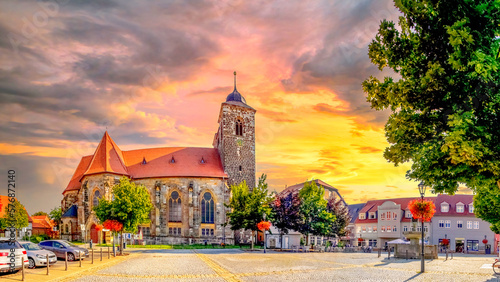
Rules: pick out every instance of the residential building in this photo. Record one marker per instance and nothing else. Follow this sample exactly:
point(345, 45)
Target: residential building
point(381, 221)
point(42, 225)
point(351, 239)
point(455, 220)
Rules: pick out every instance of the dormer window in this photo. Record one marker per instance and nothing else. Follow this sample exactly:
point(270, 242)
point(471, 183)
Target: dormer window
point(172, 161)
point(239, 127)
point(202, 160)
point(471, 208)
point(362, 216)
point(445, 207)
point(372, 215)
point(144, 161)
point(460, 208)
point(408, 214)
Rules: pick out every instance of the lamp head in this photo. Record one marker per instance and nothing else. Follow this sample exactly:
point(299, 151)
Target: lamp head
point(421, 188)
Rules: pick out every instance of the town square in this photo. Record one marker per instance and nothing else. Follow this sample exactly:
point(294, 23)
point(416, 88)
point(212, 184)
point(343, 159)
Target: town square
point(235, 140)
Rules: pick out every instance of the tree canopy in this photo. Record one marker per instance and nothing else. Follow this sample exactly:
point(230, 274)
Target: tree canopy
point(339, 209)
point(131, 206)
point(248, 208)
point(15, 216)
point(314, 217)
point(56, 214)
point(444, 96)
point(40, 213)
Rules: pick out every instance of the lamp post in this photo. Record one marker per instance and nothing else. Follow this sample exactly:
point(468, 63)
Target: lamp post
point(421, 189)
point(264, 216)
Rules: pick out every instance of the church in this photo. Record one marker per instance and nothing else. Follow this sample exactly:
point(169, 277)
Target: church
point(188, 186)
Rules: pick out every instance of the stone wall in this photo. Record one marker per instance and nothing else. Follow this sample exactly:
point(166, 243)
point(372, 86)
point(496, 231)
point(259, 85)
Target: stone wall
point(190, 189)
point(237, 151)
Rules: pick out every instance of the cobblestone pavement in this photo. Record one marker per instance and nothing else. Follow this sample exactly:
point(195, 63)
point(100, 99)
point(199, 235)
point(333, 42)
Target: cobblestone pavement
point(235, 265)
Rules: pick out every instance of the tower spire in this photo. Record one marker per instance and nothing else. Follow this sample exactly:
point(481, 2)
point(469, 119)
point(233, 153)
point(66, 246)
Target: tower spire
point(235, 81)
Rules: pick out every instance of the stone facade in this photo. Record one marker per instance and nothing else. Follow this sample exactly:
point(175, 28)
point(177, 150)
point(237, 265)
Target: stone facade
point(237, 151)
point(186, 209)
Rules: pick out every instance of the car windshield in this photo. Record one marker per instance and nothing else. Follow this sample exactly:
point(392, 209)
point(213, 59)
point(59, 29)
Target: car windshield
point(5, 245)
point(31, 247)
point(68, 244)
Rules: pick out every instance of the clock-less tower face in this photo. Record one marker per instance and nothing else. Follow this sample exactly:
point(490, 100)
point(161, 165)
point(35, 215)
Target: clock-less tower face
point(235, 139)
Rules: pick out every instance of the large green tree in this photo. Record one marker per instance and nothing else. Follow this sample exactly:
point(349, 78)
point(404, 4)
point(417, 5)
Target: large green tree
point(285, 212)
point(314, 218)
point(248, 208)
point(444, 95)
point(338, 208)
point(130, 206)
point(15, 217)
point(56, 215)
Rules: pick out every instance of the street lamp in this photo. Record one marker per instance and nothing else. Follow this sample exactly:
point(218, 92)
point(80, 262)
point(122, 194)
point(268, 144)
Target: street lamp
point(421, 190)
point(264, 216)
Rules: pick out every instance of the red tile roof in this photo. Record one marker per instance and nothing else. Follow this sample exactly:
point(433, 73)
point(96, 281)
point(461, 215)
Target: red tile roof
point(453, 200)
point(74, 183)
point(372, 206)
point(41, 221)
point(108, 158)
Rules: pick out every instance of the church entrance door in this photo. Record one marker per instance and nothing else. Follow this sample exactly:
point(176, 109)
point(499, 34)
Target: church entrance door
point(94, 234)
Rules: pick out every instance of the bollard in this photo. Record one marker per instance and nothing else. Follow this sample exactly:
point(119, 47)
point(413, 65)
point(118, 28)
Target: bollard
point(47, 256)
point(101, 254)
point(406, 254)
point(22, 269)
point(108, 252)
point(66, 261)
point(389, 253)
point(446, 251)
point(379, 252)
point(452, 255)
point(92, 250)
point(80, 260)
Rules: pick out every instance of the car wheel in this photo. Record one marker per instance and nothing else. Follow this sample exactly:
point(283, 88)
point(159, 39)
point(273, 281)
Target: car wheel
point(31, 263)
point(71, 257)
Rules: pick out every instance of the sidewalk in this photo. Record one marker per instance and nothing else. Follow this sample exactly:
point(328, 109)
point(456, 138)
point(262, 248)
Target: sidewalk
point(57, 271)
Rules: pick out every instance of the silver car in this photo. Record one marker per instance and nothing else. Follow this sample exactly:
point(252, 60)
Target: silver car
point(61, 247)
point(12, 255)
point(37, 256)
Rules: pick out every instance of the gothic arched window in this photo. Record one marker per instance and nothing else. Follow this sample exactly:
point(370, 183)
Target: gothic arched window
point(67, 228)
point(174, 207)
point(207, 208)
point(239, 127)
point(95, 199)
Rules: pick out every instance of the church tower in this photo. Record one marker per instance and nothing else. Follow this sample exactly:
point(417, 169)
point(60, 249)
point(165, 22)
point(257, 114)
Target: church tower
point(235, 139)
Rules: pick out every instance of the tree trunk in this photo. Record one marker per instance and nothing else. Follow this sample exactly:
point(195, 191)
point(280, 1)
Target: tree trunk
point(307, 239)
point(121, 243)
point(253, 237)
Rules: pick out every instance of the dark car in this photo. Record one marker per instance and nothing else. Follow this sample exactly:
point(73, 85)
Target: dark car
point(61, 247)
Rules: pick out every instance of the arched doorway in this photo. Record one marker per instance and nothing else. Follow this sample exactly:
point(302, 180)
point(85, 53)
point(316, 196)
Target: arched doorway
point(94, 234)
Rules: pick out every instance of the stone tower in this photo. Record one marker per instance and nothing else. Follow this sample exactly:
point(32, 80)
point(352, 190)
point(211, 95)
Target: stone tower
point(235, 139)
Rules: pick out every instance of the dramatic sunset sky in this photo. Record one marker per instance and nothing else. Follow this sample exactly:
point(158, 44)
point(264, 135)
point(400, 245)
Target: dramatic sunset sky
point(154, 73)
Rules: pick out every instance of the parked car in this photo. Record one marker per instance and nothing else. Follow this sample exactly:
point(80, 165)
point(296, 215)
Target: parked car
point(36, 255)
point(61, 247)
point(5, 255)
